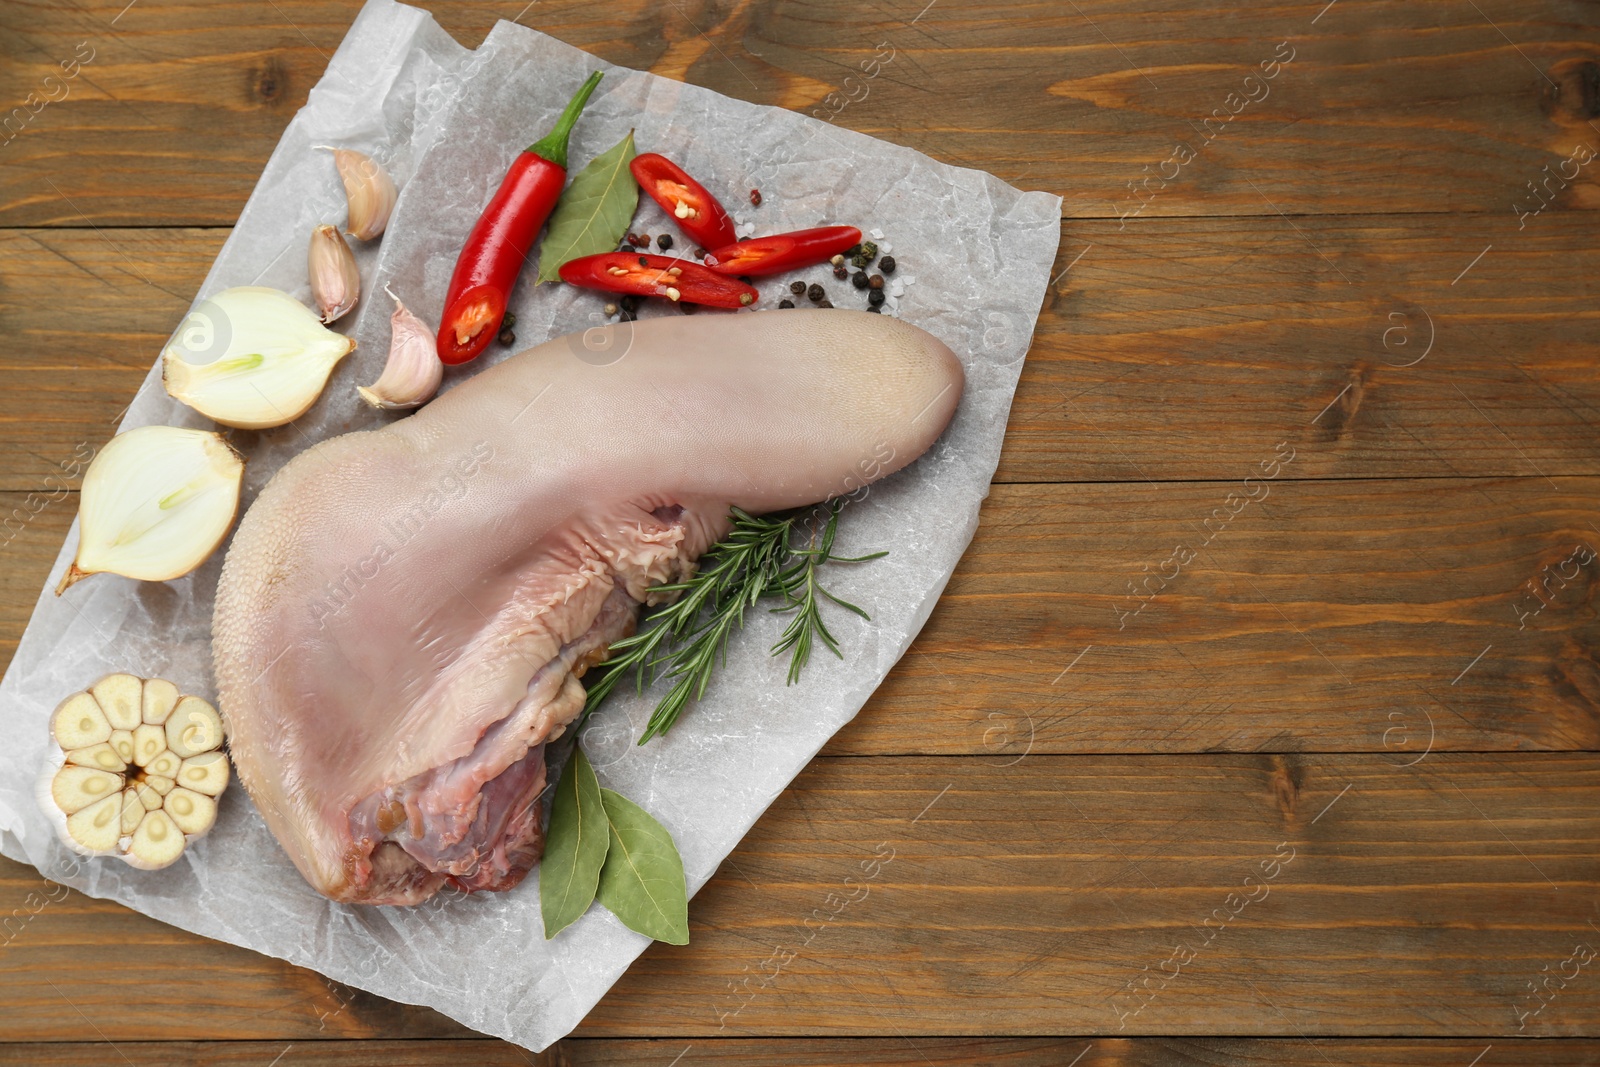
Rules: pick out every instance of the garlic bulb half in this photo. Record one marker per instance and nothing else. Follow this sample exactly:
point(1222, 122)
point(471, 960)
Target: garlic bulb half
point(369, 191)
point(156, 502)
point(271, 359)
point(137, 773)
point(414, 370)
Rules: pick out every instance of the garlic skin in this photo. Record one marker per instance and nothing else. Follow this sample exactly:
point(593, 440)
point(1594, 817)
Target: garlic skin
point(275, 362)
point(369, 191)
point(146, 808)
point(331, 267)
point(414, 370)
point(156, 502)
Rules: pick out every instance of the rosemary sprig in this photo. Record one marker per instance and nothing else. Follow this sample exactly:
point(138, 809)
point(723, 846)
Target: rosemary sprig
point(686, 641)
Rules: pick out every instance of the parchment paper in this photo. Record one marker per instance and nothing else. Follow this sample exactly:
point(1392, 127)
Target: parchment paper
point(974, 258)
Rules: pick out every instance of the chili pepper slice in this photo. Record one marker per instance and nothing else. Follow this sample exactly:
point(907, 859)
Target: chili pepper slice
point(493, 255)
point(783, 251)
point(675, 279)
point(697, 212)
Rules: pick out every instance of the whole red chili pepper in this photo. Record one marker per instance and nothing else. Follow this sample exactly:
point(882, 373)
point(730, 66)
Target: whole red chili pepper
point(697, 212)
point(782, 251)
point(499, 243)
point(675, 279)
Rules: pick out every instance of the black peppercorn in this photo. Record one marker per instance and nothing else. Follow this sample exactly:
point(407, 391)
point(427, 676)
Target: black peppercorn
point(859, 279)
point(815, 293)
point(508, 321)
point(797, 288)
point(825, 304)
point(699, 253)
point(664, 242)
point(875, 309)
point(629, 303)
point(786, 303)
point(887, 264)
point(875, 297)
point(507, 337)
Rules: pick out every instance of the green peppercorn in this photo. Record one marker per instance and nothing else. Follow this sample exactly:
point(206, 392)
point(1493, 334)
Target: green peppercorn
point(887, 264)
point(865, 253)
point(508, 320)
point(816, 293)
point(875, 297)
point(797, 288)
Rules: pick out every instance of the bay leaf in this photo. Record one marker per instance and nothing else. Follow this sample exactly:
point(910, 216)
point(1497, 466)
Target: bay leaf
point(642, 881)
point(575, 846)
point(594, 211)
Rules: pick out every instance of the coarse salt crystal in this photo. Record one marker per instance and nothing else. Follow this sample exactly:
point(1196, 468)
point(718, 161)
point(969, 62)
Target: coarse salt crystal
point(896, 289)
point(877, 235)
point(885, 247)
point(909, 279)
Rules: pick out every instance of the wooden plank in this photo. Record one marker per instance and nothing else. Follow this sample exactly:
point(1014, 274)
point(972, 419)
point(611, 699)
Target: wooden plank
point(1383, 107)
point(1243, 320)
point(1041, 898)
point(1395, 617)
point(826, 1052)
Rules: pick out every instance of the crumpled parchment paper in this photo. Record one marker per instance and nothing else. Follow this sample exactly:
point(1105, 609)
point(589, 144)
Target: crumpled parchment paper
point(974, 258)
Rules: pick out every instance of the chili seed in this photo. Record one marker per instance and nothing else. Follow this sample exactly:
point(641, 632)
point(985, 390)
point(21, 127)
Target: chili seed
point(507, 337)
point(797, 288)
point(755, 198)
point(887, 264)
point(672, 294)
point(786, 303)
point(875, 297)
point(815, 293)
point(876, 281)
point(664, 242)
point(841, 272)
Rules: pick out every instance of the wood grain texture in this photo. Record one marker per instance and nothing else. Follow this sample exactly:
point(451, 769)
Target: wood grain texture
point(1245, 320)
point(822, 1052)
point(174, 115)
point(1326, 616)
point(1002, 901)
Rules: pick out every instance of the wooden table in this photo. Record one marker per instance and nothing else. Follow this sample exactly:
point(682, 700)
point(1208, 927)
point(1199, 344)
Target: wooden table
point(1260, 723)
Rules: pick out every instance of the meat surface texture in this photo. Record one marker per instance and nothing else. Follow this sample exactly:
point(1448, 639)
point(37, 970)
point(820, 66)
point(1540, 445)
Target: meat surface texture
point(404, 613)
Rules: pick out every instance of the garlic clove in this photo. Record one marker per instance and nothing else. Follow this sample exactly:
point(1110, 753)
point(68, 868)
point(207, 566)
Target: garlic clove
point(368, 189)
point(156, 502)
point(194, 727)
point(194, 813)
point(414, 370)
point(274, 363)
point(160, 697)
point(149, 742)
point(75, 788)
point(119, 696)
point(156, 843)
point(98, 826)
point(166, 764)
point(331, 268)
point(101, 756)
point(122, 743)
point(147, 796)
point(78, 722)
point(159, 784)
point(206, 773)
point(132, 812)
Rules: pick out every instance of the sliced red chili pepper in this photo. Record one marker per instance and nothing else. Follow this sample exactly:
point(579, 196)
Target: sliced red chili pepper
point(783, 251)
point(675, 279)
point(493, 255)
point(697, 212)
